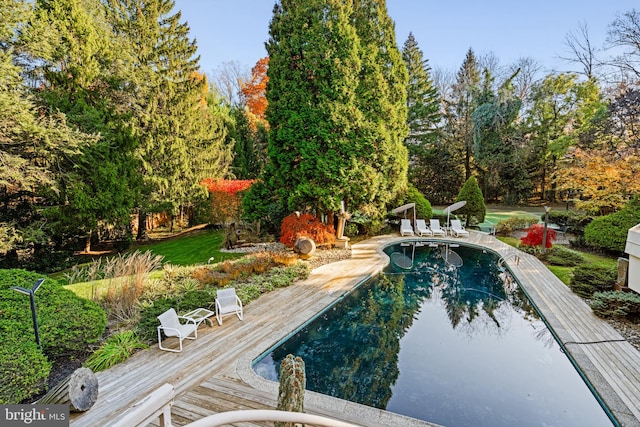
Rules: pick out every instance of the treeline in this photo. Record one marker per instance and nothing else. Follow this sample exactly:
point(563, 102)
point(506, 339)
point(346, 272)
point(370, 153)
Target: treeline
point(104, 112)
point(561, 137)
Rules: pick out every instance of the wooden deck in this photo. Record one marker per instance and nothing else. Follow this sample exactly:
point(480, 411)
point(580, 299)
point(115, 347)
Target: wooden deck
point(213, 373)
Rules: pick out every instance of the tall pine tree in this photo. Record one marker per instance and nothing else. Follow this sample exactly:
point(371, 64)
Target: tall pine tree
point(459, 107)
point(179, 141)
point(313, 145)
point(423, 104)
point(78, 71)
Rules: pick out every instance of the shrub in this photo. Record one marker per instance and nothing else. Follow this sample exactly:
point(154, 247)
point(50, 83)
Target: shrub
point(617, 304)
point(413, 195)
point(515, 223)
point(474, 210)
point(610, 232)
point(24, 369)
point(559, 255)
point(116, 349)
point(535, 236)
point(588, 279)
point(366, 224)
point(66, 324)
point(298, 225)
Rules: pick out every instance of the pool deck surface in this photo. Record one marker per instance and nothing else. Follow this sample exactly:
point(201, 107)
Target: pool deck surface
point(213, 373)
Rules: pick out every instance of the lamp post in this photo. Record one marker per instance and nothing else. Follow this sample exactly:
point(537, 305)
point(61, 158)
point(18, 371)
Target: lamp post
point(31, 292)
point(544, 230)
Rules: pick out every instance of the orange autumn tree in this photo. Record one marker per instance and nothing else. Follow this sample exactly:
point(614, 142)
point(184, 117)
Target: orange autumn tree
point(604, 179)
point(307, 225)
point(225, 200)
point(253, 92)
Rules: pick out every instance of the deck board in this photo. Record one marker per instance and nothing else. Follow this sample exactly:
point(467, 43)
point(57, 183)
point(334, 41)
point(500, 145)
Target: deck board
point(213, 372)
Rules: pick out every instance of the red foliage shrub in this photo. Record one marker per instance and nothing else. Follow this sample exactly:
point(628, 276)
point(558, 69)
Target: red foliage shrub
point(229, 186)
point(535, 234)
point(225, 202)
point(294, 226)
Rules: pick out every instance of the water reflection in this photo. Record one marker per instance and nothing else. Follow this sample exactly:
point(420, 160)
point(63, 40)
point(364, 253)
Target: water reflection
point(456, 343)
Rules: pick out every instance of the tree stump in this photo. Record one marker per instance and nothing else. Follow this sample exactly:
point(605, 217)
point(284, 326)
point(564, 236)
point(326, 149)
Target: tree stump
point(79, 390)
point(304, 247)
point(293, 381)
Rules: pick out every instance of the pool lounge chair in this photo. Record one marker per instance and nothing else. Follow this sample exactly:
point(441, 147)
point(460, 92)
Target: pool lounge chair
point(422, 229)
point(405, 227)
point(434, 224)
point(457, 229)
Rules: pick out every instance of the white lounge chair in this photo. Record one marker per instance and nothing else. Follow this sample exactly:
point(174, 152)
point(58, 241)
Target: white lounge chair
point(227, 302)
point(422, 229)
point(457, 229)
point(171, 326)
point(434, 224)
point(405, 227)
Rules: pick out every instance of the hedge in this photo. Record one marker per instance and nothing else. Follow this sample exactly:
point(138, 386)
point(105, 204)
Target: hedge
point(66, 324)
point(590, 278)
point(610, 232)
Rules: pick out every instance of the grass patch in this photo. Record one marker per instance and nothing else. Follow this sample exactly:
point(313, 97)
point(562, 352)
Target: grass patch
point(191, 249)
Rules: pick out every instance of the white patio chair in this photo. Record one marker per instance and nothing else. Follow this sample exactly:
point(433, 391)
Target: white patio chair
point(171, 326)
point(434, 224)
point(227, 303)
point(422, 229)
point(457, 229)
point(405, 227)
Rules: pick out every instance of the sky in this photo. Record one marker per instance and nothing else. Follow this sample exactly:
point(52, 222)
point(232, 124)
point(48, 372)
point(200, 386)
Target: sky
point(236, 30)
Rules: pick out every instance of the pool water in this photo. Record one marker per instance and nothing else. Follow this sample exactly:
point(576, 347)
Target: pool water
point(444, 335)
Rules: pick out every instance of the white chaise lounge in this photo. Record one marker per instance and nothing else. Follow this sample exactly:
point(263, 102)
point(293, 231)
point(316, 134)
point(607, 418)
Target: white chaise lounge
point(422, 229)
point(457, 229)
point(434, 224)
point(405, 227)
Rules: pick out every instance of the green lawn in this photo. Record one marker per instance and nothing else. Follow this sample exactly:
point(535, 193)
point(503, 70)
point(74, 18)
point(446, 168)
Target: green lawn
point(193, 248)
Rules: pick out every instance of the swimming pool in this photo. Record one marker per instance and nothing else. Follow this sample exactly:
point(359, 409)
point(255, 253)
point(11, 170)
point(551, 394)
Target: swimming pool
point(444, 335)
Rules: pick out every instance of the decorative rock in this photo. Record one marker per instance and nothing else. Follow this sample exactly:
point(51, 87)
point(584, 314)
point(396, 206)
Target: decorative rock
point(304, 247)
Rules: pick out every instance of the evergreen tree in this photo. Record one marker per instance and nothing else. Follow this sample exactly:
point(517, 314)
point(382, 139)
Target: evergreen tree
point(316, 157)
point(249, 145)
point(459, 107)
point(179, 141)
point(382, 97)
point(474, 210)
point(498, 158)
point(32, 145)
point(336, 107)
point(423, 99)
point(423, 104)
point(74, 46)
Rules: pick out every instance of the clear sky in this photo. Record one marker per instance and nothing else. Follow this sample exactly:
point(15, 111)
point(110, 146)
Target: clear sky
point(236, 30)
